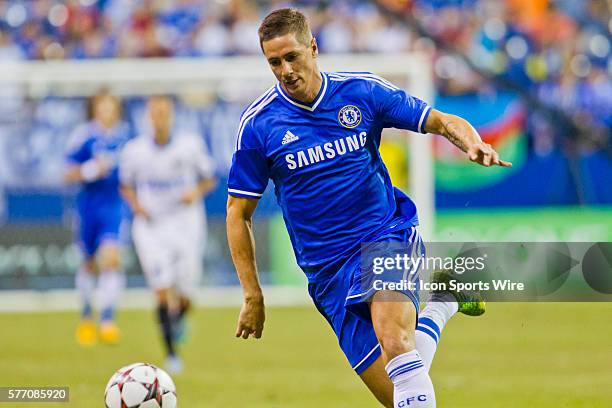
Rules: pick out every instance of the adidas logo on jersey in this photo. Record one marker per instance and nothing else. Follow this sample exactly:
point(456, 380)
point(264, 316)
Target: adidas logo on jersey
point(289, 137)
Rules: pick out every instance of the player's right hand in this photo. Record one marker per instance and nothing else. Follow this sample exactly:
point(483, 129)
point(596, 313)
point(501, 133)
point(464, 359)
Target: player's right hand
point(484, 154)
point(251, 319)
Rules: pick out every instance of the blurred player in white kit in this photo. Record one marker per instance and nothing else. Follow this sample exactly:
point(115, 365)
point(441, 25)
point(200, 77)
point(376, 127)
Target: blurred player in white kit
point(164, 176)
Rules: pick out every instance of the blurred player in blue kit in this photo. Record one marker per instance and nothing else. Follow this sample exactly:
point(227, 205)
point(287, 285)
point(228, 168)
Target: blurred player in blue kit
point(164, 175)
point(316, 136)
point(92, 159)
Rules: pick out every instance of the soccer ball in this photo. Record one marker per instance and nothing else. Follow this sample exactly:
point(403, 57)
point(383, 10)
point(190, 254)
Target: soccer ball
point(140, 385)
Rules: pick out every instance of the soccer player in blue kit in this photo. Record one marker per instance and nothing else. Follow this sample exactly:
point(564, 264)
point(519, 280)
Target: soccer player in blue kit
point(316, 135)
point(92, 162)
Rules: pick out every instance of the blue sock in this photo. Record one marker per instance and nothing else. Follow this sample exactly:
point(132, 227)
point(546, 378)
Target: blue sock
point(87, 311)
point(107, 314)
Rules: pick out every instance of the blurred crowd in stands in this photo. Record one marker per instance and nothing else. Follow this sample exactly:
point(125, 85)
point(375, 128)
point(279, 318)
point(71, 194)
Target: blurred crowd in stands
point(557, 49)
point(557, 52)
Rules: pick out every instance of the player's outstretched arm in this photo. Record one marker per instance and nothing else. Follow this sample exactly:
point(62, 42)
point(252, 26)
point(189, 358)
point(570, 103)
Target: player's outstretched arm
point(242, 247)
point(463, 135)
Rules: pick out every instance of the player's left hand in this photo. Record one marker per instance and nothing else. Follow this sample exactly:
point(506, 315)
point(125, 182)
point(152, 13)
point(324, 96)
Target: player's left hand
point(190, 196)
point(484, 154)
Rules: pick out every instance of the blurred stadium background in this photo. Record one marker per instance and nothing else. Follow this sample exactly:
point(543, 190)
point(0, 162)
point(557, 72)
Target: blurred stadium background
point(533, 76)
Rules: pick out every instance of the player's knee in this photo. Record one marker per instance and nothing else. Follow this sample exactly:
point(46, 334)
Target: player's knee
point(89, 266)
point(110, 258)
point(161, 295)
point(395, 343)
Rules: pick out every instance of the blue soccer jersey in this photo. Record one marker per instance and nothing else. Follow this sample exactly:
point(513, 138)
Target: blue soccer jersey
point(330, 181)
point(99, 202)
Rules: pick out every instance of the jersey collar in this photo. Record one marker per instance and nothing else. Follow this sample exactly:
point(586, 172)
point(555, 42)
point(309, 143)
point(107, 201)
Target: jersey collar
point(309, 107)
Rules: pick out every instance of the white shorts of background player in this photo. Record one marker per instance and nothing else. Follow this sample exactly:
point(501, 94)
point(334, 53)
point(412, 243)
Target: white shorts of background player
point(170, 249)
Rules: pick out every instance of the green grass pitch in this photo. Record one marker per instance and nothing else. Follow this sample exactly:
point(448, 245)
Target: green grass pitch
point(517, 355)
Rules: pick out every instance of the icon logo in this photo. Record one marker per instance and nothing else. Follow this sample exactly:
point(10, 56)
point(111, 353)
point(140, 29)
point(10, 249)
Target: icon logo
point(349, 116)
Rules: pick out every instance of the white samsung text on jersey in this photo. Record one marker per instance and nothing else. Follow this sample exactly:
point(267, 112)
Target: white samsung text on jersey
point(326, 151)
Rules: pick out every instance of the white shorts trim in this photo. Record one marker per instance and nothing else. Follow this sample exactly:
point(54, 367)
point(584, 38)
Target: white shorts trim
point(366, 357)
point(248, 193)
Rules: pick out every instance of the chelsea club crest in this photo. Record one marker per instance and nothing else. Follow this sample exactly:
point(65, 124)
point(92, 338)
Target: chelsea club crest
point(349, 116)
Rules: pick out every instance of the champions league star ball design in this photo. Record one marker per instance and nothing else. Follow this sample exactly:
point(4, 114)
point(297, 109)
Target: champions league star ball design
point(349, 116)
point(140, 385)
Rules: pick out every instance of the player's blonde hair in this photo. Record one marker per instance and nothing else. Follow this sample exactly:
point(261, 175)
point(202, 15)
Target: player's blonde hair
point(284, 21)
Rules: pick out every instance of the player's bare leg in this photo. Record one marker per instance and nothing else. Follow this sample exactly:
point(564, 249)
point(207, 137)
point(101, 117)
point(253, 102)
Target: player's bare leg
point(394, 319)
point(85, 282)
point(110, 285)
point(377, 381)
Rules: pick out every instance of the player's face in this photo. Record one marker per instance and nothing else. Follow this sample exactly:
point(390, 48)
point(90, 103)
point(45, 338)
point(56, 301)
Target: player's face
point(160, 113)
point(106, 110)
point(294, 64)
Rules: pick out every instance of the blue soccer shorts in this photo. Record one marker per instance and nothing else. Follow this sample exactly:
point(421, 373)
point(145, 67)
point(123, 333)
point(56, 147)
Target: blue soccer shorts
point(97, 227)
point(341, 296)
